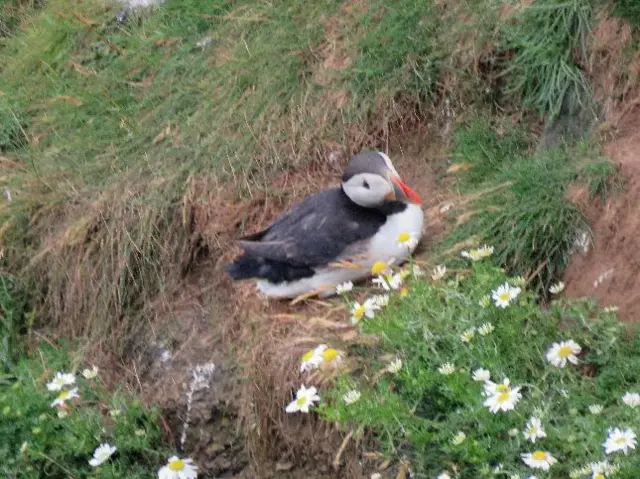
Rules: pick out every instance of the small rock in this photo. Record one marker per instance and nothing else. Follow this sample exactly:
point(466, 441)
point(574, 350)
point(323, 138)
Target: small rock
point(205, 42)
point(284, 466)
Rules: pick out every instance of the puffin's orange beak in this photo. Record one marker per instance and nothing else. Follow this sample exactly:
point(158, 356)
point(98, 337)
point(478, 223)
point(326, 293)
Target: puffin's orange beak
point(412, 195)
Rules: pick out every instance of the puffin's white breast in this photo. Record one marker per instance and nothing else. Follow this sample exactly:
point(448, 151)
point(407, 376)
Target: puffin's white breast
point(383, 246)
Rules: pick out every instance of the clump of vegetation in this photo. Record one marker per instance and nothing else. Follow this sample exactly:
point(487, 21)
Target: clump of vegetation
point(486, 381)
point(549, 41)
point(52, 422)
point(519, 200)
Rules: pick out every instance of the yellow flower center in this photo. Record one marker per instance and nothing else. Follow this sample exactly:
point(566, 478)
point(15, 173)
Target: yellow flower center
point(330, 354)
point(308, 355)
point(504, 296)
point(404, 237)
point(504, 397)
point(598, 475)
point(502, 388)
point(63, 394)
point(358, 313)
point(404, 292)
point(379, 267)
point(620, 440)
point(565, 351)
point(177, 465)
point(539, 455)
point(301, 400)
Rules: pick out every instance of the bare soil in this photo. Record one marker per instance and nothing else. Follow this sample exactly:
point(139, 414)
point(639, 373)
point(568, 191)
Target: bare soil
point(609, 269)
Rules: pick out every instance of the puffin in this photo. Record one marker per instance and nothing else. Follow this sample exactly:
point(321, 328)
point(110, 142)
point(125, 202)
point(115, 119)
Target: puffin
point(336, 235)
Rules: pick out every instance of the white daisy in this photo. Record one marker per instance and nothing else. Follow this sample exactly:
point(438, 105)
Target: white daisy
point(610, 309)
point(444, 475)
point(351, 396)
point(501, 396)
point(344, 287)
point(600, 470)
point(332, 356)
point(481, 375)
point(595, 409)
point(519, 281)
point(533, 430)
point(90, 373)
point(417, 271)
point(486, 328)
point(312, 358)
point(447, 369)
point(65, 395)
point(513, 432)
point(379, 301)
point(408, 240)
point(484, 302)
point(395, 365)
point(485, 251)
point(61, 380)
point(619, 440)
point(458, 438)
point(468, 335)
point(376, 475)
point(360, 311)
point(478, 254)
point(473, 255)
point(505, 401)
point(177, 468)
point(564, 351)
point(380, 268)
point(538, 460)
point(389, 281)
point(556, 288)
point(504, 295)
point(631, 399)
point(439, 272)
point(515, 476)
point(305, 397)
point(101, 454)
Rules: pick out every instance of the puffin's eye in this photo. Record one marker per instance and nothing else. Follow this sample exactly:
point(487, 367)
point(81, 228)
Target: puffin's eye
point(365, 184)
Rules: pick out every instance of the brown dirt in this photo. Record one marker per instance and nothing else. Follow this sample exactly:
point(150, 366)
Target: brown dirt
point(609, 269)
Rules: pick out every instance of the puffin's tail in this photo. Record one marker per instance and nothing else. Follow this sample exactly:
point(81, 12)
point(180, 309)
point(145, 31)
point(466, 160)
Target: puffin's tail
point(244, 267)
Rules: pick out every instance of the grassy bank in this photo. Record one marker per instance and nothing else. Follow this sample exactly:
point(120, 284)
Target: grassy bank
point(115, 136)
point(106, 126)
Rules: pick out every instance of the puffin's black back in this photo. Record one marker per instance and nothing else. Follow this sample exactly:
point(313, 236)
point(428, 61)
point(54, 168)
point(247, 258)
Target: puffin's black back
point(313, 233)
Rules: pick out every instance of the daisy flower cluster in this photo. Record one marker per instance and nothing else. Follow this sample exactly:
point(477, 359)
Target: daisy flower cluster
point(64, 384)
point(452, 338)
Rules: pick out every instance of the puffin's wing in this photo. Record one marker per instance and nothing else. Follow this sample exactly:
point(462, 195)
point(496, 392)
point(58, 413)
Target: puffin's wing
point(316, 232)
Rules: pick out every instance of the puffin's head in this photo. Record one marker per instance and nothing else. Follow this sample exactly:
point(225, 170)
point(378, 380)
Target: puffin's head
point(370, 180)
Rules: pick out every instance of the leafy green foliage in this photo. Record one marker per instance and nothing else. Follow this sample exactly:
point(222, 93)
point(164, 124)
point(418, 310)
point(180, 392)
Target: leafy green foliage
point(35, 442)
point(418, 411)
point(520, 203)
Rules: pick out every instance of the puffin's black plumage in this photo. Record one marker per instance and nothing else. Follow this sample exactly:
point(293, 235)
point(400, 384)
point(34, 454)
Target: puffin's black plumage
point(313, 233)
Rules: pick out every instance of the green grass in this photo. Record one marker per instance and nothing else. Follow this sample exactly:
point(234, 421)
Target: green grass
point(629, 10)
point(521, 204)
point(13, 319)
point(36, 442)
point(549, 44)
point(417, 412)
